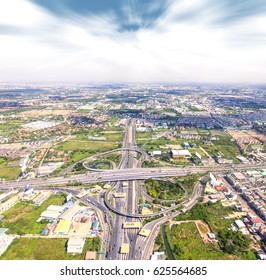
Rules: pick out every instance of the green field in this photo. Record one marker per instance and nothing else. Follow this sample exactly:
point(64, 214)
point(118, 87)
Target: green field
point(8, 172)
point(89, 146)
point(149, 135)
point(228, 148)
point(46, 249)
point(10, 125)
point(21, 218)
point(110, 137)
point(213, 214)
point(186, 244)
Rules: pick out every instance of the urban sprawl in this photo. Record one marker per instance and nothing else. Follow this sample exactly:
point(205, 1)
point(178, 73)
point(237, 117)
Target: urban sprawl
point(128, 171)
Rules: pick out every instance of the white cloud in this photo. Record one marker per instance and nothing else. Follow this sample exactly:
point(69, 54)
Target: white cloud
point(91, 49)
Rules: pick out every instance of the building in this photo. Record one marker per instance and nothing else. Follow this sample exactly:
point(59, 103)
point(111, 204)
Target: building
point(124, 248)
point(75, 245)
point(180, 154)
point(95, 224)
point(41, 197)
point(6, 194)
point(156, 153)
point(50, 215)
point(156, 256)
point(71, 212)
point(5, 240)
point(131, 225)
point(91, 255)
point(186, 145)
point(144, 232)
point(63, 227)
point(198, 156)
point(8, 204)
point(68, 204)
point(56, 208)
point(53, 212)
point(82, 193)
point(256, 222)
point(119, 195)
point(29, 194)
point(146, 211)
point(239, 224)
point(211, 235)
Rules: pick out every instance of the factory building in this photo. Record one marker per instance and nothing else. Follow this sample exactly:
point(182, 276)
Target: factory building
point(75, 245)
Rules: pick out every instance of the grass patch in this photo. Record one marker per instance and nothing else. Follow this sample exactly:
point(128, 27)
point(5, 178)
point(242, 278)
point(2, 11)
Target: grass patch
point(44, 249)
point(186, 244)
point(89, 146)
point(213, 214)
point(21, 218)
point(9, 172)
point(115, 157)
point(99, 164)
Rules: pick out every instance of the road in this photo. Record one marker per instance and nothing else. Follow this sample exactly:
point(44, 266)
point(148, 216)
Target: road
point(114, 212)
point(144, 245)
point(127, 175)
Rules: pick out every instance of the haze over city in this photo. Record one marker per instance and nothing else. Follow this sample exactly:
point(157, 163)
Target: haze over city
point(133, 41)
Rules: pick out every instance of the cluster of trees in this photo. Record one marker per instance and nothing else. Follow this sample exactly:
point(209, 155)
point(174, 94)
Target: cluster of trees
point(163, 189)
point(79, 166)
point(232, 242)
point(147, 163)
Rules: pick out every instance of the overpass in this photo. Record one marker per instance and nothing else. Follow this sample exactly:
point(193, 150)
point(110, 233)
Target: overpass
point(126, 175)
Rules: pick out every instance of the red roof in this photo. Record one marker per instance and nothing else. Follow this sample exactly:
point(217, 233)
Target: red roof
point(257, 220)
point(221, 188)
point(90, 255)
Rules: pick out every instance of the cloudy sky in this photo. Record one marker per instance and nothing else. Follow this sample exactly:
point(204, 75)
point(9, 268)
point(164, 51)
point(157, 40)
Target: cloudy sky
point(133, 40)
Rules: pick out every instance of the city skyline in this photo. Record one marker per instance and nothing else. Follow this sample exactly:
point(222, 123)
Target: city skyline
point(133, 41)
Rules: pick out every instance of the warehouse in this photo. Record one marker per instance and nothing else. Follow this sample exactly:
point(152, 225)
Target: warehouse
point(53, 212)
point(50, 215)
point(56, 208)
point(71, 212)
point(181, 154)
point(75, 245)
point(63, 227)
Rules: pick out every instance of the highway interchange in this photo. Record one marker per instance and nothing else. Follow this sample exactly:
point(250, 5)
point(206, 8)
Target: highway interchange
point(128, 178)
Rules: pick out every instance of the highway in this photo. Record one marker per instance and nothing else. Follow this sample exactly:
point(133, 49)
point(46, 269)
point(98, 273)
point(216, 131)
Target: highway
point(128, 179)
point(144, 245)
point(118, 236)
point(127, 175)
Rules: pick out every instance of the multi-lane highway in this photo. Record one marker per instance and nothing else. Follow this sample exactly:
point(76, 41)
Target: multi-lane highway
point(127, 179)
point(128, 174)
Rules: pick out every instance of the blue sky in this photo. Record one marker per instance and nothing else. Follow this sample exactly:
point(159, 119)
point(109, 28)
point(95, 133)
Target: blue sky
point(133, 40)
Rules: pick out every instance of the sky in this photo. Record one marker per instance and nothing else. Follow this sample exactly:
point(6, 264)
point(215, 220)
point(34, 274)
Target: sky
point(133, 41)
